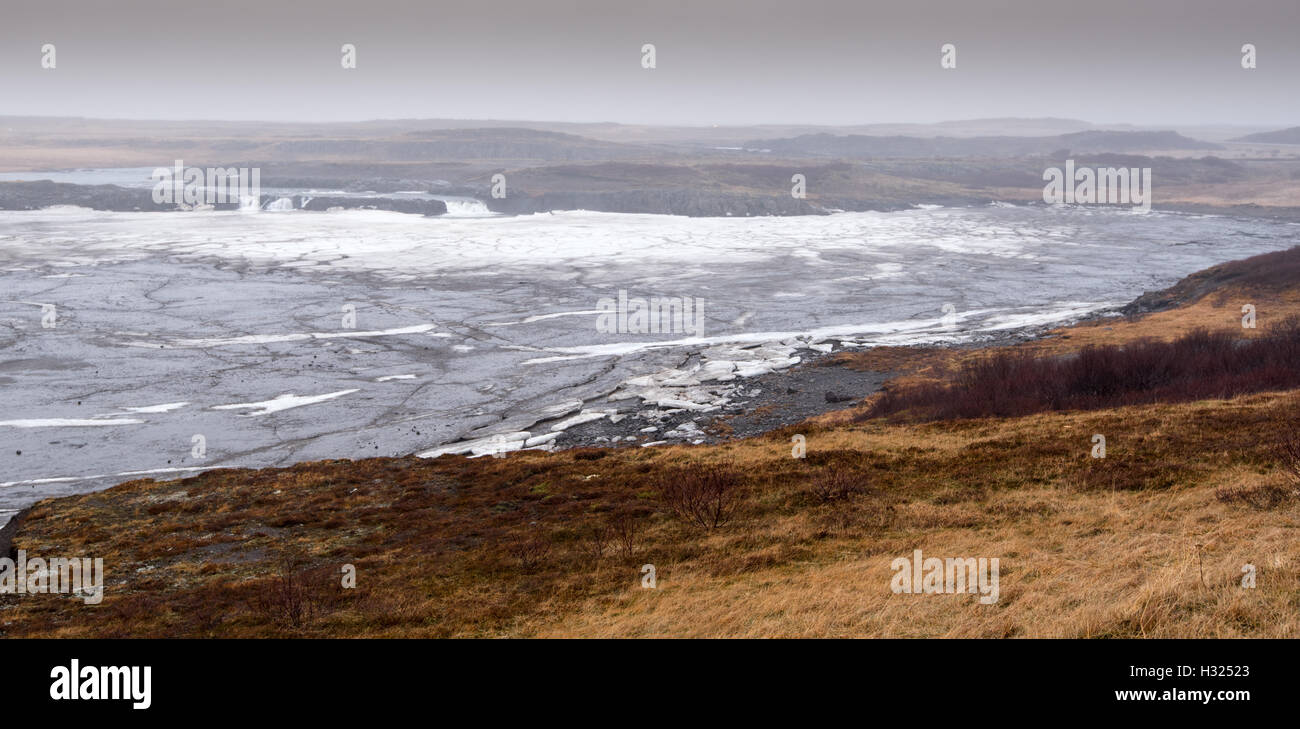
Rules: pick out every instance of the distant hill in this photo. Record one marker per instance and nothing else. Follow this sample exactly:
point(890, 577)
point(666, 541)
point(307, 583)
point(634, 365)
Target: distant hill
point(501, 143)
point(1281, 136)
point(1089, 142)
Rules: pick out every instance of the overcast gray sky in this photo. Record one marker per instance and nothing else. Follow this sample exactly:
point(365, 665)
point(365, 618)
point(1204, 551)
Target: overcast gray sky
point(719, 61)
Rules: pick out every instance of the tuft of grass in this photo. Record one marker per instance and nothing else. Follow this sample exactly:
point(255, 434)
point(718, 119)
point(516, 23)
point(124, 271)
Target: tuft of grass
point(1263, 496)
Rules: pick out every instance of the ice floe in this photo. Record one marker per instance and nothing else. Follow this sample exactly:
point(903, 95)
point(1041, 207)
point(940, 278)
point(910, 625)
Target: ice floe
point(276, 338)
point(68, 422)
point(282, 402)
point(163, 408)
point(586, 416)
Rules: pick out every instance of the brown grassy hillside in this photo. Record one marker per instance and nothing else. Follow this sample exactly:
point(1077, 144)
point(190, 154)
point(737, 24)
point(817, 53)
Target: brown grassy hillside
point(1150, 541)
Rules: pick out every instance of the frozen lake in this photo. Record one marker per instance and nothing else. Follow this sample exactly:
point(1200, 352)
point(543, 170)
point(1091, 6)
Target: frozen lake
point(278, 337)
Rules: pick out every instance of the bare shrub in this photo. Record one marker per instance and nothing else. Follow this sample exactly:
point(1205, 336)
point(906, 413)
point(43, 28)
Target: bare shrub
point(530, 551)
point(595, 542)
point(836, 484)
point(1287, 451)
point(625, 531)
point(702, 494)
point(289, 596)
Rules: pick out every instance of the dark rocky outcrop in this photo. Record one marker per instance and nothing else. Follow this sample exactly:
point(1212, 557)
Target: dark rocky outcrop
point(43, 193)
point(7, 533)
point(1266, 272)
point(399, 205)
point(1281, 136)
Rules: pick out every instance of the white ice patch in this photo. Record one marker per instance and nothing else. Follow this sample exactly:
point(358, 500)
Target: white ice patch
point(283, 402)
point(682, 404)
point(466, 208)
point(276, 338)
point(1061, 312)
point(544, 317)
point(280, 204)
point(405, 247)
point(889, 270)
point(586, 416)
point(541, 439)
point(559, 410)
point(487, 445)
point(68, 422)
point(163, 408)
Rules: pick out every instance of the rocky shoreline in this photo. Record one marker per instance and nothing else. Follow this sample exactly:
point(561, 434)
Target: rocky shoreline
point(744, 406)
point(38, 194)
point(35, 195)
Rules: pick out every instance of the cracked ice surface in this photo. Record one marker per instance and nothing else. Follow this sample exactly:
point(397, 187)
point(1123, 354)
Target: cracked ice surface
point(477, 335)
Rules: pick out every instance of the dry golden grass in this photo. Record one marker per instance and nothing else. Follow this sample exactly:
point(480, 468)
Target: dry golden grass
point(1074, 563)
point(1268, 192)
point(489, 547)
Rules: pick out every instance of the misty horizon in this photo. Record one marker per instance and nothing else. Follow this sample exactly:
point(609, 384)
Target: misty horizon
point(818, 63)
point(1117, 125)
